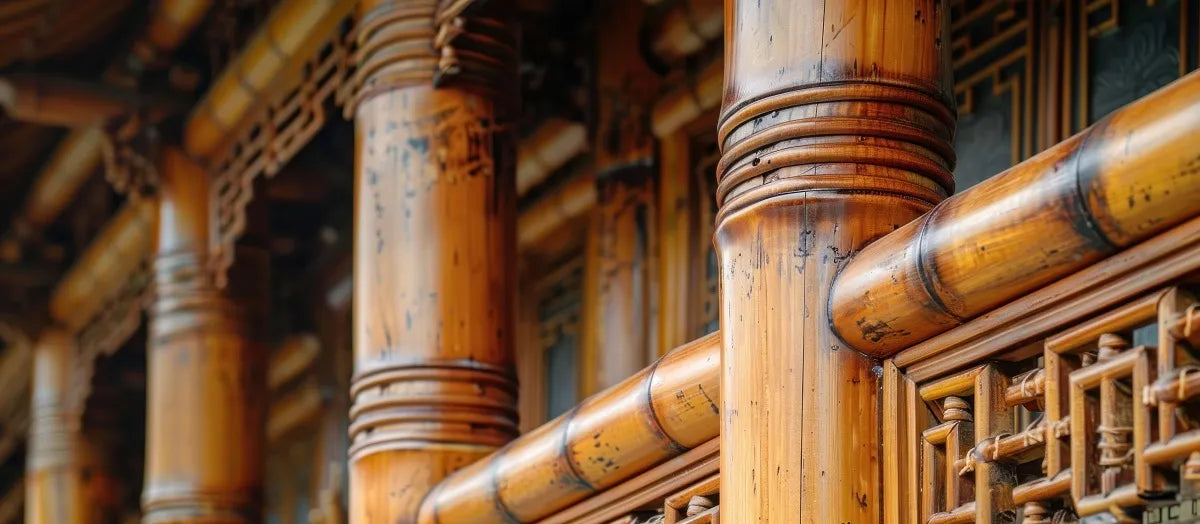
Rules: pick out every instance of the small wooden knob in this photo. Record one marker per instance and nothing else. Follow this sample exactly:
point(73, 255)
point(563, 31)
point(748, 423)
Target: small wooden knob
point(957, 409)
point(698, 505)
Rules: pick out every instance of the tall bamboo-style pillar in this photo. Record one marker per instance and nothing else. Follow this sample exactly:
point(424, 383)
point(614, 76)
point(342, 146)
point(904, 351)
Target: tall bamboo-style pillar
point(434, 250)
point(206, 383)
point(617, 287)
point(618, 338)
point(836, 129)
point(64, 470)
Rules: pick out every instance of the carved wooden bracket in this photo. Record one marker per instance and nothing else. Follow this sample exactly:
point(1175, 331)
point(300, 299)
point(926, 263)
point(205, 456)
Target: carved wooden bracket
point(108, 330)
point(130, 162)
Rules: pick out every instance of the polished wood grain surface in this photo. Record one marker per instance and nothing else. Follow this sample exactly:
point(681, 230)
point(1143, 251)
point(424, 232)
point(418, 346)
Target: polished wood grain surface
point(683, 29)
point(551, 145)
point(434, 379)
point(1133, 174)
point(55, 101)
point(206, 383)
point(108, 262)
point(54, 469)
point(618, 269)
point(612, 436)
point(834, 131)
point(565, 203)
point(74, 159)
point(278, 50)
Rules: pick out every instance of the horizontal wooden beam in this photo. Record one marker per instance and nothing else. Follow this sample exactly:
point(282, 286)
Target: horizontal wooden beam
point(273, 56)
point(74, 159)
point(116, 253)
point(568, 201)
point(1132, 175)
point(657, 414)
point(56, 101)
point(292, 410)
point(688, 102)
point(685, 28)
point(552, 145)
point(292, 358)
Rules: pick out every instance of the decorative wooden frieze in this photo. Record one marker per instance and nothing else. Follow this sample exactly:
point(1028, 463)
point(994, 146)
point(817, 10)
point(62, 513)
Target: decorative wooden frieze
point(290, 115)
point(111, 327)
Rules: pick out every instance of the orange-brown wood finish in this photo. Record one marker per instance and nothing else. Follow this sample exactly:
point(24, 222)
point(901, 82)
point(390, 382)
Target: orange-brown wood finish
point(684, 29)
point(75, 158)
point(108, 262)
point(655, 415)
point(276, 52)
point(552, 211)
point(1130, 176)
point(56, 466)
point(206, 383)
point(551, 145)
point(617, 289)
point(59, 102)
point(618, 269)
point(434, 380)
point(833, 133)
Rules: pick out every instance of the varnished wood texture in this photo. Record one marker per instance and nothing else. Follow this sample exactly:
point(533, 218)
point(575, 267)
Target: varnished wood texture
point(684, 29)
point(1089, 423)
point(75, 158)
point(553, 144)
point(433, 388)
point(1133, 174)
point(833, 132)
point(206, 383)
point(434, 379)
point(619, 269)
point(109, 261)
point(617, 272)
point(54, 490)
point(277, 51)
point(56, 101)
point(655, 415)
point(551, 212)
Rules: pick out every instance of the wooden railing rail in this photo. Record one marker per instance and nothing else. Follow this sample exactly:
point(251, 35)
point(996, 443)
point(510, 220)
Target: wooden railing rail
point(1130, 176)
point(655, 415)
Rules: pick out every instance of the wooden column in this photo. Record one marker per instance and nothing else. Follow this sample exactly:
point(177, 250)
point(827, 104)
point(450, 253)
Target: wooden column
point(617, 286)
point(69, 474)
point(618, 324)
point(54, 484)
point(836, 129)
point(434, 253)
point(206, 383)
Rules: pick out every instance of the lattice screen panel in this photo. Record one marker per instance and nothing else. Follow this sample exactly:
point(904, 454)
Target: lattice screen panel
point(1101, 425)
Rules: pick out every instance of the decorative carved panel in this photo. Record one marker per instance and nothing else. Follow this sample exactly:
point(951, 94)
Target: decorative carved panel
point(1029, 74)
point(1091, 427)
